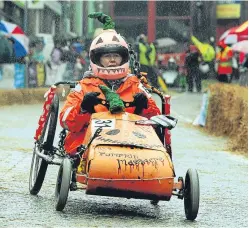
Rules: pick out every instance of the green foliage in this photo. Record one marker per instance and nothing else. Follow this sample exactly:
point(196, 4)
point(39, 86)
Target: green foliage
point(115, 103)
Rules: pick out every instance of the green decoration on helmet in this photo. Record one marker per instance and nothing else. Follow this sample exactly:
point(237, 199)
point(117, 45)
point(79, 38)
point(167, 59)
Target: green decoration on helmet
point(104, 19)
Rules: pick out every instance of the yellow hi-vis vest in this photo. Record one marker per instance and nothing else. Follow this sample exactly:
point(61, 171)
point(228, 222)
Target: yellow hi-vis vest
point(152, 55)
point(142, 57)
point(225, 61)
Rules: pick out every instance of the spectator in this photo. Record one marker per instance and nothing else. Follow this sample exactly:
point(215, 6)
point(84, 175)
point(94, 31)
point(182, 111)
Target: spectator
point(235, 66)
point(192, 61)
point(142, 48)
point(73, 68)
point(152, 75)
point(38, 56)
point(56, 55)
point(224, 60)
point(146, 54)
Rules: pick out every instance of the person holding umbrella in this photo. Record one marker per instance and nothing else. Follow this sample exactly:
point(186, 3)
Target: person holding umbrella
point(6, 49)
point(242, 49)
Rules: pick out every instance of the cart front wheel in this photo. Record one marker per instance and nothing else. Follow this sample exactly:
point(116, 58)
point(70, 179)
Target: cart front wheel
point(63, 184)
point(44, 145)
point(37, 172)
point(191, 194)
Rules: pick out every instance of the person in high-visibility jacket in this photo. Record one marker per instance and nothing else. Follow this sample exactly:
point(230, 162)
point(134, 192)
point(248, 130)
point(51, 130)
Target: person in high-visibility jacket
point(224, 60)
point(143, 51)
point(152, 55)
point(147, 58)
point(152, 73)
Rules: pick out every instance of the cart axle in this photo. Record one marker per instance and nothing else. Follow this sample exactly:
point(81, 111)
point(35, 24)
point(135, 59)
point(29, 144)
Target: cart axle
point(49, 159)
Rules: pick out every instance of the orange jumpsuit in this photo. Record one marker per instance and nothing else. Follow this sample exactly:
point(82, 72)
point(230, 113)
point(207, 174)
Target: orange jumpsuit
point(76, 122)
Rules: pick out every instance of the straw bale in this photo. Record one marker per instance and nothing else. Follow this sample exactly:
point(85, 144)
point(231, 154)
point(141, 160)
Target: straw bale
point(23, 96)
point(228, 114)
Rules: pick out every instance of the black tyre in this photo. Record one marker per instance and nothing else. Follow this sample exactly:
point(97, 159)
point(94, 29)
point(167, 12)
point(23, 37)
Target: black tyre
point(154, 202)
point(63, 184)
point(191, 194)
point(38, 165)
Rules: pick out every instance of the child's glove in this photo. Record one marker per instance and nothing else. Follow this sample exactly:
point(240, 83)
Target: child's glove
point(89, 101)
point(140, 102)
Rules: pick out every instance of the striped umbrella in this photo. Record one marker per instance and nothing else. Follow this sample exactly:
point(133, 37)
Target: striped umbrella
point(21, 41)
point(235, 34)
point(241, 46)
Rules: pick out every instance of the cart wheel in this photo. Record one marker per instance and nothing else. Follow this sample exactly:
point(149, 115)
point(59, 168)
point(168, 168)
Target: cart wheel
point(154, 202)
point(37, 173)
point(63, 184)
point(191, 194)
point(39, 166)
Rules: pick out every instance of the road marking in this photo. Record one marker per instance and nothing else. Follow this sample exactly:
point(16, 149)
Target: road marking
point(183, 118)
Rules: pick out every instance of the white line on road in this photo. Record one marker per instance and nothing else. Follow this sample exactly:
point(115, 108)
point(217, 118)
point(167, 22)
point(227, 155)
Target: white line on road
point(183, 118)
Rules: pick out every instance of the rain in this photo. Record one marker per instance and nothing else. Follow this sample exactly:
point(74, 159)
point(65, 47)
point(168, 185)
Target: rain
point(124, 113)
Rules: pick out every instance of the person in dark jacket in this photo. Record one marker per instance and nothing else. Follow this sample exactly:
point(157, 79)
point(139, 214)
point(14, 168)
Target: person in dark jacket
point(192, 65)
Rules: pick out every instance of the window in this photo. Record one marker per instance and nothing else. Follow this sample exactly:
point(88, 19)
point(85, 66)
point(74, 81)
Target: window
point(175, 29)
point(138, 27)
point(46, 21)
point(173, 8)
point(72, 16)
point(130, 8)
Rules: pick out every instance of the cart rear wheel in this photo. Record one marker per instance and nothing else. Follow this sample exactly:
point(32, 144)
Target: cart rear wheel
point(39, 166)
point(191, 194)
point(63, 184)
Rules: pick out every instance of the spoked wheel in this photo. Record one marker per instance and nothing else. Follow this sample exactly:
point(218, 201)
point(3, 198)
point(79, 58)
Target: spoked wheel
point(191, 194)
point(63, 184)
point(37, 172)
point(39, 166)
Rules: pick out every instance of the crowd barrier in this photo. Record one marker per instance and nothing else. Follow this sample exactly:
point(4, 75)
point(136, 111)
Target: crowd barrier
point(32, 75)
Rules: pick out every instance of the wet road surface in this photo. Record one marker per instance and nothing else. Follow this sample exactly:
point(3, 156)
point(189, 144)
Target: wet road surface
point(223, 180)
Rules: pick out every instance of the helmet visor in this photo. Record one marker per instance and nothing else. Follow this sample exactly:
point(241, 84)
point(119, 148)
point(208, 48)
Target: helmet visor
point(98, 52)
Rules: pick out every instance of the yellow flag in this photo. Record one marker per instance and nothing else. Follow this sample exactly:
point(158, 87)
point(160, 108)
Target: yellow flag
point(206, 50)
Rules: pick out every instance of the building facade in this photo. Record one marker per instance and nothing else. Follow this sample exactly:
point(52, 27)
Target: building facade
point(230, 13)
point(45, 17)
point(177, 19)
point(156, 19)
